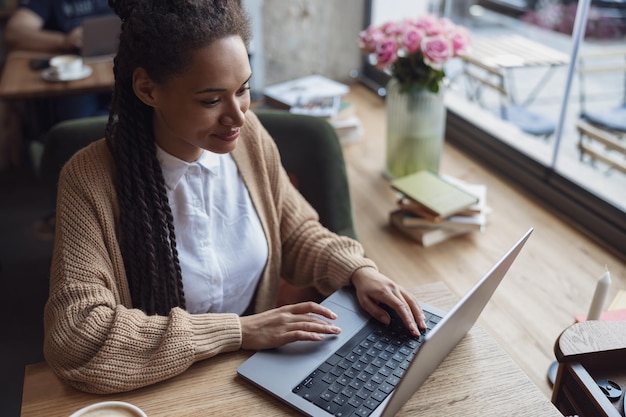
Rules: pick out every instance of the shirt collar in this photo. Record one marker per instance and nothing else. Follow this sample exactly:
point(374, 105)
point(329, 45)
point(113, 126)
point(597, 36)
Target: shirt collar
point(174, 168)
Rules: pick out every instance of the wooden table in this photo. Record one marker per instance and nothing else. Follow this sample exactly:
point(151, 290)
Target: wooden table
point(19, 82)
point(477, 378)
point(504, 53)
point(588, 352)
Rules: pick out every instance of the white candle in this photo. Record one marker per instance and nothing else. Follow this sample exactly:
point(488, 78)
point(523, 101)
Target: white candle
point(599, 297)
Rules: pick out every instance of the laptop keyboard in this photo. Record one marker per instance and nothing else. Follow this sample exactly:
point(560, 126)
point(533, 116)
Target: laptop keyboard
point(365, 370)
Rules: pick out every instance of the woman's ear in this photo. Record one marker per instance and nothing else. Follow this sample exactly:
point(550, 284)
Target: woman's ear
point(144, 87)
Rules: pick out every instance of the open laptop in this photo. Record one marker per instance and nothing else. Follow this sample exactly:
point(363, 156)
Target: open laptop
point(100, 37)
point(312, 376)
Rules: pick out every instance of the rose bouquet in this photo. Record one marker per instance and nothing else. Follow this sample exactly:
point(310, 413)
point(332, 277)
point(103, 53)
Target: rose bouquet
point(414, 51)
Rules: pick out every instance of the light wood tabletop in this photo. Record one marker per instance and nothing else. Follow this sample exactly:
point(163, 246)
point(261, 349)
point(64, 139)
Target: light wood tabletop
point(551, 281)
point(590, 337)
point(477, 378)
point(20, 82)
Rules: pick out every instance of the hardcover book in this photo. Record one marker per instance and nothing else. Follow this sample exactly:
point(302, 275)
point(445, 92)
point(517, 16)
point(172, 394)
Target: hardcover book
point(314, 95)
point(436, 195)
point(427, 235)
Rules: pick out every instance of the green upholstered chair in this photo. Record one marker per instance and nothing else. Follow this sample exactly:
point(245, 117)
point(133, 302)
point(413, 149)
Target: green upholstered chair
point(310, 152)
point(61, 142)
point(313, 158)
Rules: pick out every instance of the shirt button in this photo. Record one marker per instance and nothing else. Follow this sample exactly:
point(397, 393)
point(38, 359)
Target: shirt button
point(197, 202)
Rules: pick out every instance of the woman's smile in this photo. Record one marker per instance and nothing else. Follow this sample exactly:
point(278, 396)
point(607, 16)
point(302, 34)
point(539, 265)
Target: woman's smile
point(228, 136)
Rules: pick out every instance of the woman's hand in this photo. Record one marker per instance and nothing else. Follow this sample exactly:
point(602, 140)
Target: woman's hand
point(286, 324)
point(373, 288)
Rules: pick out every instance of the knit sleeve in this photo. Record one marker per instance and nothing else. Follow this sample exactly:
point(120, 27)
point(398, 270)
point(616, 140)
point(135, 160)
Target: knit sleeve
point(94, 340)
point(310, 252)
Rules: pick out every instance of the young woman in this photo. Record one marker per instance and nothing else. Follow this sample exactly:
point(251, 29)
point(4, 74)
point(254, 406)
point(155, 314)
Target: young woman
point(172, 232)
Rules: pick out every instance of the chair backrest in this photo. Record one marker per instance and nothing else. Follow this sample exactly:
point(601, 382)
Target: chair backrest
point(311, 154)
point(607, 67)
point(61, 142)
point(309, 148)
point(481, 79)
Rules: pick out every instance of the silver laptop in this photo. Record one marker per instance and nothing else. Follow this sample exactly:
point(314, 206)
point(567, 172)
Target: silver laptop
point(313, 376)
point(100, 37)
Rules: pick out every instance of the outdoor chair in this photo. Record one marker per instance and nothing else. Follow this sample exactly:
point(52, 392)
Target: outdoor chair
point(602, 64)
point(602, 128)
point(482, 78)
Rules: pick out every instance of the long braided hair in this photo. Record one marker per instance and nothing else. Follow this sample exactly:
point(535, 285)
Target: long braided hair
point(159, 36)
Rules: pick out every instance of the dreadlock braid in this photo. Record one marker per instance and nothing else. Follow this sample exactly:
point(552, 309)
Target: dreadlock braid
point(160, 37)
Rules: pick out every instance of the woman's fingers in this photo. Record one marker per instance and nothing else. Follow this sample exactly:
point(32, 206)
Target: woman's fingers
point(310, 307)
point(373, 289)
point(409, 311)
point(286, 324)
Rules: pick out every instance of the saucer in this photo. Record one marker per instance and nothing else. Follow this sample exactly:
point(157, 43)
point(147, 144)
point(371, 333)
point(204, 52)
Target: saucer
point(110, 408)
point(49, 75)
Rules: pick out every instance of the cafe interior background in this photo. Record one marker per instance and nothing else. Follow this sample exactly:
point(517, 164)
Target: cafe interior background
point(589, 193)
point(322, 39)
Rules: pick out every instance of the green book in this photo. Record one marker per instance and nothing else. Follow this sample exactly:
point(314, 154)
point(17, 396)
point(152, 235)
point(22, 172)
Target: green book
point(438, 196)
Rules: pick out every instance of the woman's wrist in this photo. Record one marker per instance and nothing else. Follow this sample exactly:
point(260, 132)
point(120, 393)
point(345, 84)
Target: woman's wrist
point(359, 274)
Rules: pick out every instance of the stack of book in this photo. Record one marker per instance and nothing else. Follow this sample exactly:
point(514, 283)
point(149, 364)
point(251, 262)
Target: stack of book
point(318, 96)
point(433, 208)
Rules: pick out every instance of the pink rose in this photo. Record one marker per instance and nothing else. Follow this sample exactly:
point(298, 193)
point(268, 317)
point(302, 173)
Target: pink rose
point(437, 50)
point(391, 28)
point(430, 25)
point(386, 53)
point(370, 38)
point(411, 39)
point(446, 25)
point(460, 38)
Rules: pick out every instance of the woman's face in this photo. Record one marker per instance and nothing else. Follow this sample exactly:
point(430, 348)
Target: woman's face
point(205, 107)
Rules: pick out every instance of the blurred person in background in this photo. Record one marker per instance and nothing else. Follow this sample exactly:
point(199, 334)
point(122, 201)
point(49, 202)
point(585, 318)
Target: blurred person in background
point(54, 27)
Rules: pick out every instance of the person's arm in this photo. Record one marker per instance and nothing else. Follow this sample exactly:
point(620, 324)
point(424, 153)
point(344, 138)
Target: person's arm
point(24, 31)
point(311, 253)
point(94, 340)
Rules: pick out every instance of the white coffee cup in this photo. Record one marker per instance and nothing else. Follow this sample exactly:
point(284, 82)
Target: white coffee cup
point(110, 409)
point(66, 66)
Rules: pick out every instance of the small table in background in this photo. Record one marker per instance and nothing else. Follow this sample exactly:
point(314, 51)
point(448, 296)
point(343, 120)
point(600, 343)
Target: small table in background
point(505, 53)
point(20, 82)
point(588, 353)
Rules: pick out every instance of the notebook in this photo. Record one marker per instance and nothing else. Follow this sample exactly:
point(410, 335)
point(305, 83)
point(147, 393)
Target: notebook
point(286, 371)
point(100, 37)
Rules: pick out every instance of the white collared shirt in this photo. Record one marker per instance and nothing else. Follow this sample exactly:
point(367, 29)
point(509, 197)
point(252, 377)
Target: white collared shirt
point(221, 245)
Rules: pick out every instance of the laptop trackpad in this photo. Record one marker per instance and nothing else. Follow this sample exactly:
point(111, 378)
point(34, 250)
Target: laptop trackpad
point(347, 320)
point(296, 360)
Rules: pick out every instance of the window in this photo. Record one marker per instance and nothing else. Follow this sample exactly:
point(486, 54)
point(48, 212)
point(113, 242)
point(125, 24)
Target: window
point(539, 129)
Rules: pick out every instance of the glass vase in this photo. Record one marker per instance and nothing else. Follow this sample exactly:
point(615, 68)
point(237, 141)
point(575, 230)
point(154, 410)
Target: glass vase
point(415, 130)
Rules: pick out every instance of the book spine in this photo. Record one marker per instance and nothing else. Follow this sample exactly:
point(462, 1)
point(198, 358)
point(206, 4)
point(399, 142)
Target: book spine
point(454, 222)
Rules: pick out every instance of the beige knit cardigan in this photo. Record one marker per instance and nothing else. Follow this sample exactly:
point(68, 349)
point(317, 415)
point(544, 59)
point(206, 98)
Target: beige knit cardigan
point(95, 341)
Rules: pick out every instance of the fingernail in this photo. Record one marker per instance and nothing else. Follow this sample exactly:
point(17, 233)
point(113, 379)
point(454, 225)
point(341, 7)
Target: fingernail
point(333, 315)
point(335, 329)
